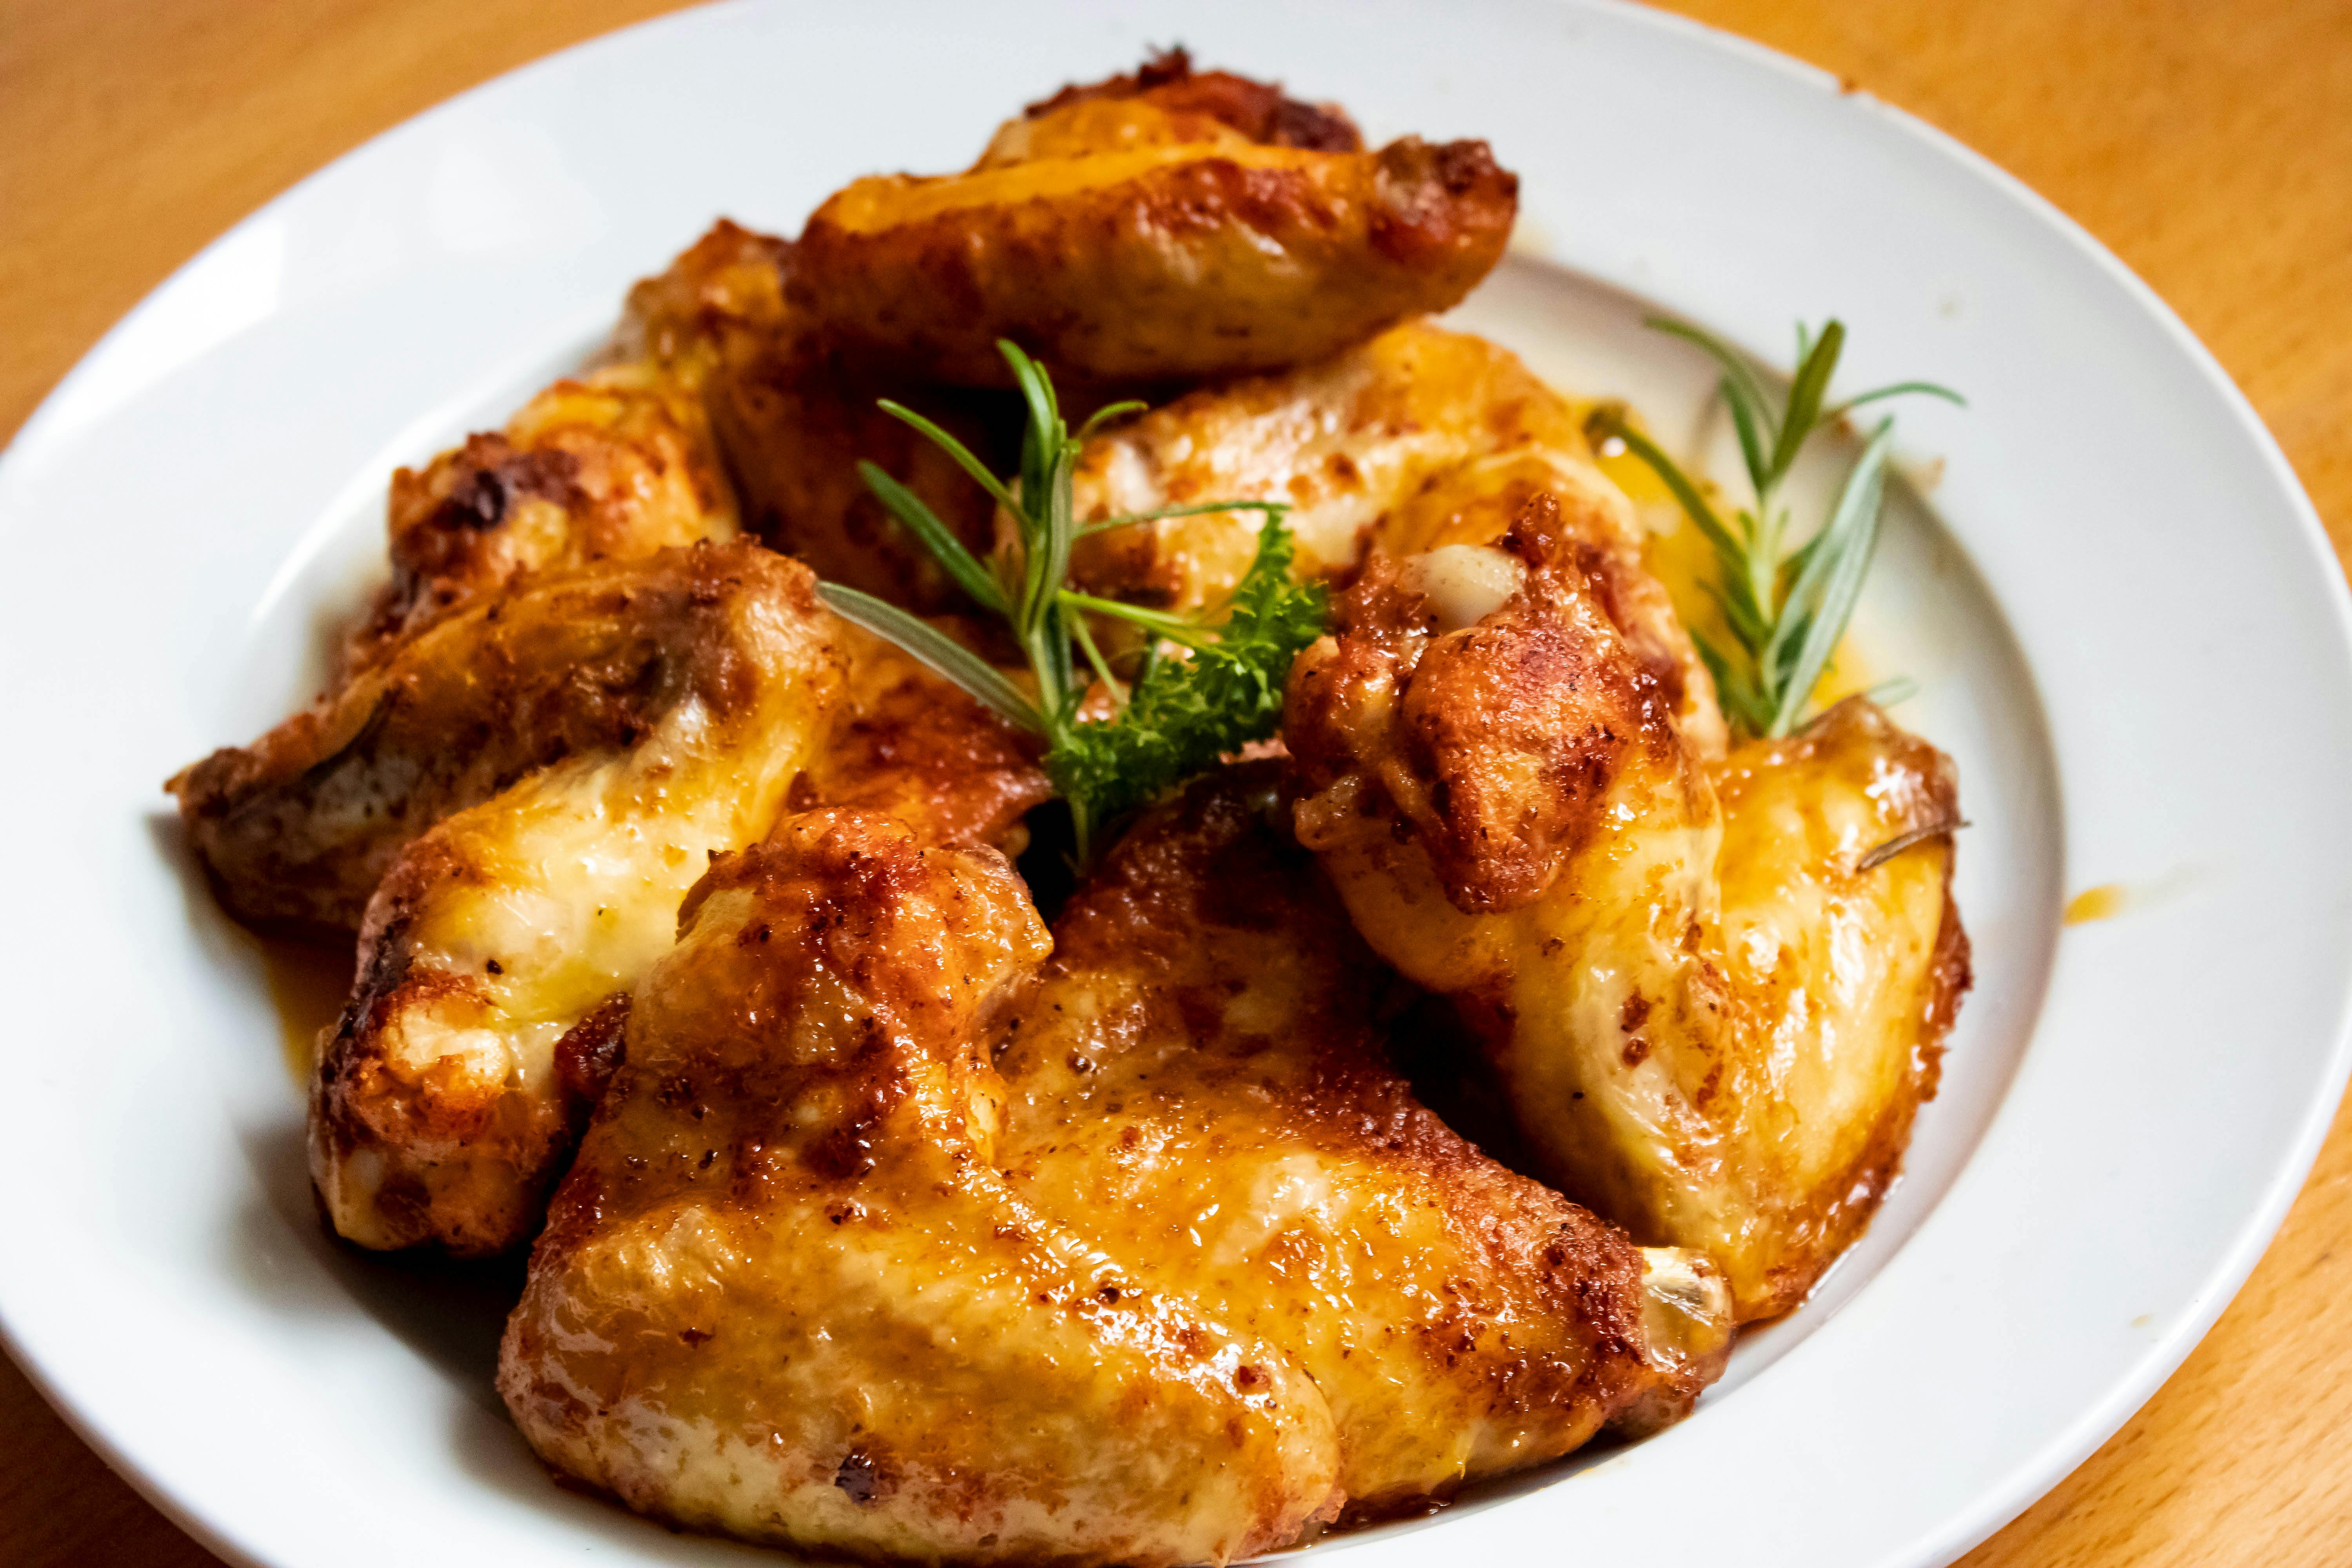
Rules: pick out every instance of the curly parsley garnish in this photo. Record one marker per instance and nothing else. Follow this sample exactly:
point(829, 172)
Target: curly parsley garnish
point(1786, 612)
point(1203, 688)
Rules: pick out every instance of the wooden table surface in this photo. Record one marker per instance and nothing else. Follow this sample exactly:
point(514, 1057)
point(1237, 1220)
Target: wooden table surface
point(2210, 145)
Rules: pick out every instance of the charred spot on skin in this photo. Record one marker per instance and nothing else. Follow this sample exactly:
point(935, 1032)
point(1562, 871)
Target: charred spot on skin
point(479, 502)
point(695, 1338)
point(846, 1153)
point(589, 1054)
point(858, 1477)
point(1636, 1010)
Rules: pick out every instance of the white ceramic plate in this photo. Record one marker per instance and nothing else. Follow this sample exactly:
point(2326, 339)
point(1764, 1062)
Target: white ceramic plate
point(2117, 562)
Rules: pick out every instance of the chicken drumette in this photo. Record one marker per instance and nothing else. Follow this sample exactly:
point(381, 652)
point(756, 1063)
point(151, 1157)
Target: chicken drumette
point(1715, 991)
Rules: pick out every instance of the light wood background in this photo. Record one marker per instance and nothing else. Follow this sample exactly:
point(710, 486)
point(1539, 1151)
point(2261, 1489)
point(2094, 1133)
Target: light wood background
point(2209, 144)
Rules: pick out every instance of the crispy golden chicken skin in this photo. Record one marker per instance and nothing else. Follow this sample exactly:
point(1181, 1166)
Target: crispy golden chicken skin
point(796, 419)
point(1198, 1087)
point(613, 465)
point(723, 297)
point(784, 1293)
point(1712, 1015)
point(1144, 238)
point(1419, 438)
point(1258, 111)
point(791, 418)
point(675, 700)
point(610, 466)
point(911, 745)
point(300, 827)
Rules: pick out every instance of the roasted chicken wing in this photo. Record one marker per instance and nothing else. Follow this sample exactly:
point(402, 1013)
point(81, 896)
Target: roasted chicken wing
point(1715, 993)
point(1198, 1087)
point(1145, 233)
point(639, 718)
point(1418, 439)
point(785, 1294)
point(300, 827)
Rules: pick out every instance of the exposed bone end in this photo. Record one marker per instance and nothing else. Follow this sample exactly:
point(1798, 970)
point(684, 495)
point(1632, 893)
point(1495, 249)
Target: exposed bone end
point(1463, 584)
point(1686, 1331)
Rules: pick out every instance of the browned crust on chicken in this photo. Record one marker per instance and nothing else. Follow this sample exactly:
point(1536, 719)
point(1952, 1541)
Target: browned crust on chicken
point(298, 827)
point(1918, 790)
point(1259, 111)
point(675, 698)
point(609, 468)
point(723, 294)
point(1417, 439)
point(1174, 261)
point(784, 1293)
point(1508, 733)
point(612, 465)
point(1201, 1052)
point(914, 746)
point(791, 419)
point(1952, 973)
point(1482, 502)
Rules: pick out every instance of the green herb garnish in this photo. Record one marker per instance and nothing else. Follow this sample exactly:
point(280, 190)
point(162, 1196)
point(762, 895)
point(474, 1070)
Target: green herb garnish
point(1221, 688)
point(1786, 612)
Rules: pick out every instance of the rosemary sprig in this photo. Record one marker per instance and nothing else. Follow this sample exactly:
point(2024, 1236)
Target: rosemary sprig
point(1181, 710)
point(1785, 611)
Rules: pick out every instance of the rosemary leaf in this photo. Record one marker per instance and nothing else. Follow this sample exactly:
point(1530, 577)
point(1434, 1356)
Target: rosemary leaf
point(936, 649)
point(1839, 566)
point(1692, 502)
point(1107, 413)
point(953, 449)
point(1180, 715)
point(1898, 389)
point(1787, 613)
point(1805, 394)
point(1273, 509)
point(1745, 420)
point(938, 537)
point(1734, 692)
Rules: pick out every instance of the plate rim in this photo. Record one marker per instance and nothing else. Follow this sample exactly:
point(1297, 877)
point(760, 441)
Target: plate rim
point(2032, 1474)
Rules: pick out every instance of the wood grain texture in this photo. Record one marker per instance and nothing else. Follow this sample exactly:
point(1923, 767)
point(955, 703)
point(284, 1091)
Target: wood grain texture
point(2210, 145)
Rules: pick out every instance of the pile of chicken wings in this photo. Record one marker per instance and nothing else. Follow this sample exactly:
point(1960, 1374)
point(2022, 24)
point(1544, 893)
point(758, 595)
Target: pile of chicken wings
point(869, 1211)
